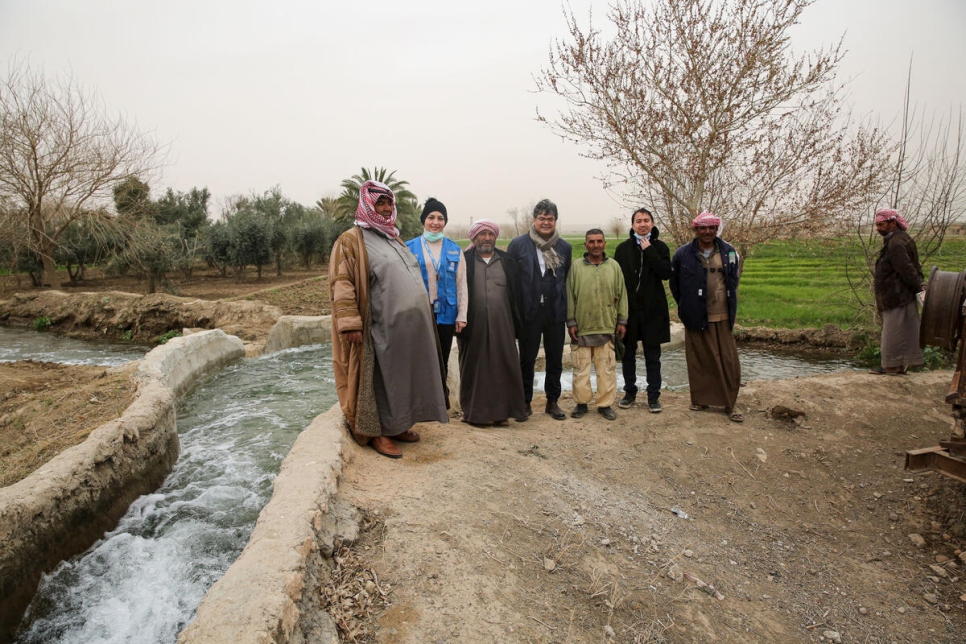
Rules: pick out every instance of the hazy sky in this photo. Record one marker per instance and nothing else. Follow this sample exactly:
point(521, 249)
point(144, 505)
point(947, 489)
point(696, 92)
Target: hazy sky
point(303, 94)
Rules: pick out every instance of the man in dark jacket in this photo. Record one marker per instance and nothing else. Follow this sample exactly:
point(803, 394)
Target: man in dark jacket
point(543, 259)
point(704, 283)
point(646, 262)
point(897, 281)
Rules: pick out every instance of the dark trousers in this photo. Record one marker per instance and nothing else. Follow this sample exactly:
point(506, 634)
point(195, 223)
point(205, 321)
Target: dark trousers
point(445, 332)
point(652, 362)
point(554, 334)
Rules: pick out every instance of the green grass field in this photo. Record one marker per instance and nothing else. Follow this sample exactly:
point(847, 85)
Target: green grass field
point(797, 284)
point(792, 284)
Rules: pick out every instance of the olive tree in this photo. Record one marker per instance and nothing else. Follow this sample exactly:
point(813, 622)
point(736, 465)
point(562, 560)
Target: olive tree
point(703, 105)
point(61, 154)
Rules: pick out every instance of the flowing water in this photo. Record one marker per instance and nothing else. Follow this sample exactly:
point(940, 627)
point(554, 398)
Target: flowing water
point(756, 364)
point(27, 344)
point(143, 581)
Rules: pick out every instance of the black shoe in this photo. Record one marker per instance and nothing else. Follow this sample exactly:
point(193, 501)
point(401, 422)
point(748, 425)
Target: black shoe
point(579, 411)
point(654, 407)
point(554, 410)
point(607, 412)
point(627, 400)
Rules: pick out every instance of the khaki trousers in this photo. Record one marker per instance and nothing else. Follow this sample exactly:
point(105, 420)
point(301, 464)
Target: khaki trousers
point(605, 364)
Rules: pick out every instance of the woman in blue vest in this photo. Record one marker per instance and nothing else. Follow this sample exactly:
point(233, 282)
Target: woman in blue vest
point(444, 274)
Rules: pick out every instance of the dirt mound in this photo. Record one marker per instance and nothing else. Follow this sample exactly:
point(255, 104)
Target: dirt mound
point(830, 337)
point(141, 318)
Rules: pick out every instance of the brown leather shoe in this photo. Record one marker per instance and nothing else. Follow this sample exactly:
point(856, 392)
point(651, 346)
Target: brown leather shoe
point(408, 436)
point(385, 446)
point(555, 411)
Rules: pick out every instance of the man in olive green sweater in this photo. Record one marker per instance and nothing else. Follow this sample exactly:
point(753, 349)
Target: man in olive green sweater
point(596, 311)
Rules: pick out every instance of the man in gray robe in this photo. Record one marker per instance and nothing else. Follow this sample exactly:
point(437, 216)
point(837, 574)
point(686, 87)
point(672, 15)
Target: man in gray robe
point(491, 385)
point(385, 354)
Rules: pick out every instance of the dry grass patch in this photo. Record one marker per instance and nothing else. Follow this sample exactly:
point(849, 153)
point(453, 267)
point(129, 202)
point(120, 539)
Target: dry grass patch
point(354, 592)
point(46, 408)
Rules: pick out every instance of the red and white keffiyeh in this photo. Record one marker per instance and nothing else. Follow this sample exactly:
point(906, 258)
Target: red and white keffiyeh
point(484, 224)
point(366, 215)
point(888, 214)
point(706, 219)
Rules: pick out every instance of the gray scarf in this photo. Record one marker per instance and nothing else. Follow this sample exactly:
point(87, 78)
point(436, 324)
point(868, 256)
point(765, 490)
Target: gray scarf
point(550, 256)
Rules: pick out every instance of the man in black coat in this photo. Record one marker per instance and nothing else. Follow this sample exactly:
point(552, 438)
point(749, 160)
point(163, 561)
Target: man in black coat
point(646, 263)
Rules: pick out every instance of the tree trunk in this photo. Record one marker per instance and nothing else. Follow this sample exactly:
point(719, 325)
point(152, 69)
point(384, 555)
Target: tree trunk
point(50, 267)
point(45, 247)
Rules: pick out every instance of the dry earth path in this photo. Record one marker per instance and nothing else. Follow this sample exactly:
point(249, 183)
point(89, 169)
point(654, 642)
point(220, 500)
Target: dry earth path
point(551, 531)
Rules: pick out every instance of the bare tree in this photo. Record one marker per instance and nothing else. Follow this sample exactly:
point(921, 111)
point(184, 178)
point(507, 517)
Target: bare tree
point(926, 185)
point(521, 218)
point(619, 226)
point(701, 105)
point(61, 155)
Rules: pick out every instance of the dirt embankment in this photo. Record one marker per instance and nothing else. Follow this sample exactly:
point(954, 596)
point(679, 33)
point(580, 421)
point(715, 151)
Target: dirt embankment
point(141, 318)
point(829, 337)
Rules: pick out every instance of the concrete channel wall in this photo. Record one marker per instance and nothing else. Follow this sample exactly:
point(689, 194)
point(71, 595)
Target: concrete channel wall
point(64, 507)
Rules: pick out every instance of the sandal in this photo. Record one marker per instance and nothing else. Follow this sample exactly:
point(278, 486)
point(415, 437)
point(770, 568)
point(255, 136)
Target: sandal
point(736, 416)
point(697, 407)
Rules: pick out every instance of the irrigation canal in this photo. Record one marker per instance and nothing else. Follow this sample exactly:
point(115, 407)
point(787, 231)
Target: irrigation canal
point(143, 581)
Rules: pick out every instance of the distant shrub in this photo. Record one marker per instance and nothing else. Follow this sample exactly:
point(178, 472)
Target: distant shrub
point(42, 323)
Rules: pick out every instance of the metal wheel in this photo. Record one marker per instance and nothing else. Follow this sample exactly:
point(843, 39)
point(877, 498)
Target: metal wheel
point(942, 315)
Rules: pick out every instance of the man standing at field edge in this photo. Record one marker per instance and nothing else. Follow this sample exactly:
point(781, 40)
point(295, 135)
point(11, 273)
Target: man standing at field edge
point(704, 283)
point(897, 281)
